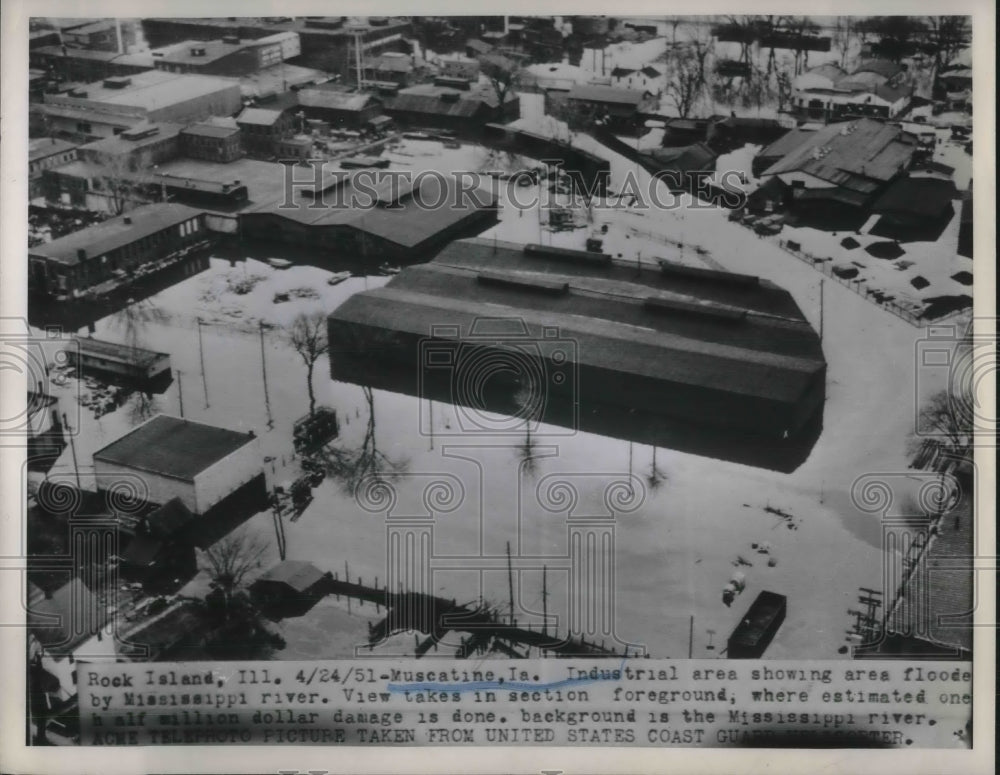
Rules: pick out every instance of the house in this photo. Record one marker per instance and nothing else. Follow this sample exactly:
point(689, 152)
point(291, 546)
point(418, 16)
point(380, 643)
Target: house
point(682, 168)
point(646, 78)
point(105, 108)
point(427, 105)
point(262, 129)
point(59, 624)
point(296, 147)
point(876, 88)
point(838, 171)
point(728, 134)
point(45, 153)
point(621, 108)
point(199, 464)
point(137, 364)
point(291, 586)
point(160, 545)
point(212, 142)
point(341, 109)
point(916, 207)
point(82, 261)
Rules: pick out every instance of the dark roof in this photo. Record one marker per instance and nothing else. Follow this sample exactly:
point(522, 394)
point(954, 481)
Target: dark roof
point(214, 50)
point(773, 355)
point(210, 130)
point(172, 447)
point(138, 356)
point(428, 99)
point(142, 550)
point(786, 143)
point(299, 576)
point(928, 197)
point(854, 154)
point(42, 147)
point(113, 233)
point(686, 158)
point(607, 94)
point(168, 630)
point(72, 615)
point(893, 93)
point(621, 72)
point(169, 518)
point(882, 67)
point(651, 72)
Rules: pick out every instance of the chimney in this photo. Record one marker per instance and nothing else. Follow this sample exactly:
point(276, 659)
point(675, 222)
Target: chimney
point(81, 254)
point(127, 219)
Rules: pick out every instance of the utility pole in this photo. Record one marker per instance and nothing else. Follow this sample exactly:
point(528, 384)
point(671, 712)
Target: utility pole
point(201, 357)
point(510, 584)
point(72, 447)
point(821, 281)
point(263, 371)
point(180, 392)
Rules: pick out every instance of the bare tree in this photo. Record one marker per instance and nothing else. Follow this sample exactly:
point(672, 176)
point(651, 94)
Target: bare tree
point(123, 182)
point(948, 35)
point(844, 32)
point(949, 417)
point(686, 76)
point(308, 337)
point(800, 29)
point(503, 74)
point(230, 560)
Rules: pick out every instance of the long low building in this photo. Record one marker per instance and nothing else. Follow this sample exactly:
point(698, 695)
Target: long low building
point(713, 348)
point(115, 248)
point(377, 221)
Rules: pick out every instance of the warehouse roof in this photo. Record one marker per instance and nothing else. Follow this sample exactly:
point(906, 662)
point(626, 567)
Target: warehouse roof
point(854, 154)
point(121, 143)
point(115, 232)
point(42, 147)
point(258, 116)
point(787, 143)
point(121, 352)
point(173, 447)
point(210, 130)
point(917, 196)
point(334, 100)
point(769, 352)
point(156, 89)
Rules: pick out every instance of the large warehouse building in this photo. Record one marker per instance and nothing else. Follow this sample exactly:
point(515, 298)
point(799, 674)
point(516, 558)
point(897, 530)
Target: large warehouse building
point(711, 348)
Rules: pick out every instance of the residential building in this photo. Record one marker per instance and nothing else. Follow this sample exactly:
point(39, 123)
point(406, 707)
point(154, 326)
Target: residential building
point(446, 107)
point(45, 153)
point(200, 465)
point(83, 260)
point(212, 142)
point(347, 110)
point(619, 108)
point(106, 108)
point(262, 129)
point(875, 88)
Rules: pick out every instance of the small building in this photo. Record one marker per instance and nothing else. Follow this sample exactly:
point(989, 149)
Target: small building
point(160, 545)
point(136, 364)
point(262, 128)
point(197, 192)
point(427, 105)
point(392, 67)
point(136, 148)
point(346, 110)
point(465, 68)
point(179, 633)
point(297, 148)
point(45, 153)
point(734, 132)
point(201, 465)
point(290, 585)
point(212, 142)
point(619, 108)
point(112, 249)
point(916, 207)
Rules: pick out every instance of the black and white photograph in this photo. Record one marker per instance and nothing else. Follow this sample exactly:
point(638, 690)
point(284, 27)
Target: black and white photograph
point(507, 380)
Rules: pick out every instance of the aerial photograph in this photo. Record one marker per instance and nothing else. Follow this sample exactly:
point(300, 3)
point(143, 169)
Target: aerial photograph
point(446, 338)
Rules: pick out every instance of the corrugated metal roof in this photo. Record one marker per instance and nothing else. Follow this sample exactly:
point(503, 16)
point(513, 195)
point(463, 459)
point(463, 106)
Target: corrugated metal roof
point(173, 447)
point(113, 233)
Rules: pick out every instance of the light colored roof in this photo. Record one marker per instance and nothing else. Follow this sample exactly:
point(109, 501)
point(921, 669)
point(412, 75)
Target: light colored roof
point(210, 130)
point(608, 94)
point(157, 89)
point(258, 116)
point(333, 100)
point(42, 147)
point(117, 145)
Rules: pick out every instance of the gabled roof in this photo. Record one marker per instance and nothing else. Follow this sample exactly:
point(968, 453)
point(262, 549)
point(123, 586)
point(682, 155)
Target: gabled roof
point(856, 154)
point(827, 70)
point(172, 447)
point(72, 615)
point(42, 147)
point(621, 72)
point(686, 158)
point(651, 72)
point(607, 94)
point(299, 576)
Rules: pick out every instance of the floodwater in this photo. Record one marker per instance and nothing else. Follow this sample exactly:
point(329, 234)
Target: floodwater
point(659, 532)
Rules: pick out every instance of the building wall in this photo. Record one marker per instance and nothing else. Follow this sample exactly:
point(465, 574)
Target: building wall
point(227, 101)
point(227, 475)
point(140, 156)
point(218, 149)
point(159, 488)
